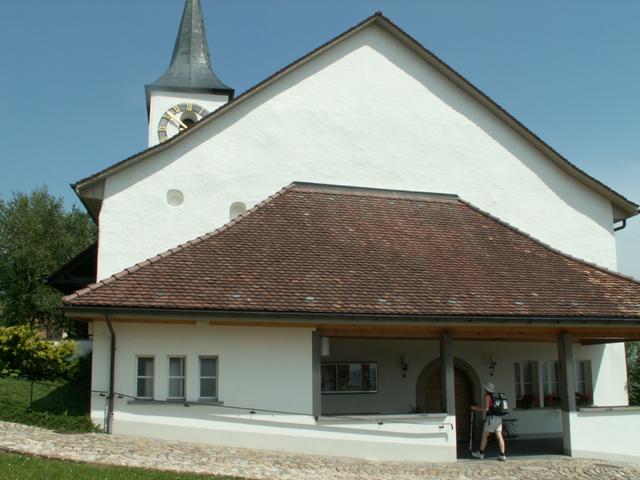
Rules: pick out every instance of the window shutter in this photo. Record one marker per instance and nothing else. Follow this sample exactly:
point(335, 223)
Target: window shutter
point(588, 378)
point(535, 382)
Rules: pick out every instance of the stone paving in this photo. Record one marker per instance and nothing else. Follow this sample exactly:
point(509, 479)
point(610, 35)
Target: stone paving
point(256, 464)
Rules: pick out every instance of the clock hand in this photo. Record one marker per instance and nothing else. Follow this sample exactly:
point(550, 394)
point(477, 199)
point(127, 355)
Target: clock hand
point(176, 120)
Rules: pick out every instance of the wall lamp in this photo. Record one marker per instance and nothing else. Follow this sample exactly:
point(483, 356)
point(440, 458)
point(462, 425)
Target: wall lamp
point(404, 365)
point(492, 364)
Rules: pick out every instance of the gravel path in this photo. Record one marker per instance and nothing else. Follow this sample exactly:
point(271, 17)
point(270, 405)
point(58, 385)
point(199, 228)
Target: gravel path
point(256, 464)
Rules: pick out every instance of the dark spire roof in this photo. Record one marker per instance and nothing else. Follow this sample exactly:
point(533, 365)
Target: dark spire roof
point(190, 67)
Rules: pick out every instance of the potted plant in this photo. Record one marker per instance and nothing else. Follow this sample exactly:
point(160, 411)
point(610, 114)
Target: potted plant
point(583, 399)
point(552, 400)
point(525, 401)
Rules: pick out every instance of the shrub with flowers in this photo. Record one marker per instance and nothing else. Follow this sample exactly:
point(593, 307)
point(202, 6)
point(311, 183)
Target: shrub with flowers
point(527, 400)
point(552, 400)
point(583, 399)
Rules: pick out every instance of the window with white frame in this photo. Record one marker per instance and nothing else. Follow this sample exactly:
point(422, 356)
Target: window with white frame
point(176, 377)
point(349, 377)
point(209, 378)
point(584, 392)
point(144, 378)
point(526, 383)
point(551, 384)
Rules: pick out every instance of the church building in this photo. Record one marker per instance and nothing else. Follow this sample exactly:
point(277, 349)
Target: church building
point(336, 260)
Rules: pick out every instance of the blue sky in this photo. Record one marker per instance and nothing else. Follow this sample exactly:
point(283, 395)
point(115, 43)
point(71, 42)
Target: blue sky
point(73, 74)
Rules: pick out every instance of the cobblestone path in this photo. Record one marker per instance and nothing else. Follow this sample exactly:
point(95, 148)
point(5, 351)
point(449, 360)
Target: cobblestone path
point(256, 464)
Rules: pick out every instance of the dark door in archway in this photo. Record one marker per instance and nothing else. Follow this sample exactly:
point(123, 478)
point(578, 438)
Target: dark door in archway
point(464, 397)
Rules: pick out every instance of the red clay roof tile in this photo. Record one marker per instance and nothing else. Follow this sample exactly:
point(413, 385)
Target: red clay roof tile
point(326, 249)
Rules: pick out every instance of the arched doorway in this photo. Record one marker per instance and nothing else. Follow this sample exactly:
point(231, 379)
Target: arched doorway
point(464, 397)
point(429, 392)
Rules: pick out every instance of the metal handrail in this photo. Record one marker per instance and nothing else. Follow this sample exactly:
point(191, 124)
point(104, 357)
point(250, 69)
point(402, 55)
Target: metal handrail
point(253, 410)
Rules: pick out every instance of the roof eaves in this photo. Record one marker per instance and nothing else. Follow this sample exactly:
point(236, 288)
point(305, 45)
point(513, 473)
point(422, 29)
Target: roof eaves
point(333, 317)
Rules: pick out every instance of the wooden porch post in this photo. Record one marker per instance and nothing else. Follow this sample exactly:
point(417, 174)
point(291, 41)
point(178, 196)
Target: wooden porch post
point(567, 373)
point(567, 382)
point(315, 375)
point(446, 362)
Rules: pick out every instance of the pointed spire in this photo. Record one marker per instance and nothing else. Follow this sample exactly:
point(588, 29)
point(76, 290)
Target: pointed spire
point(191, 64)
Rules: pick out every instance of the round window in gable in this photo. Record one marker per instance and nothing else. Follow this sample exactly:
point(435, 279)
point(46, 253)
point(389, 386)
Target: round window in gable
point(236, 209)
point(175, 197)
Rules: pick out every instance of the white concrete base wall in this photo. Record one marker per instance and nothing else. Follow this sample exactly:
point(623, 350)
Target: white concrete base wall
point(610, 435)
point(414, 439)
point(538, 422)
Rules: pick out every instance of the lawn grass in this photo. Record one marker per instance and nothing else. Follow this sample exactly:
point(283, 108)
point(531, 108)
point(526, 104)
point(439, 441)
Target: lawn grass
point(60, 405)
point(21, 467)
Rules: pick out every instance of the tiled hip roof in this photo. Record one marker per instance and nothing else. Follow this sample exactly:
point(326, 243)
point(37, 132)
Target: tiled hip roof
point(323, 249)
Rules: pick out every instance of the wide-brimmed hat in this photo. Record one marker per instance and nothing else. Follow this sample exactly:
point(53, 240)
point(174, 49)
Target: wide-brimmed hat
point(489, 387)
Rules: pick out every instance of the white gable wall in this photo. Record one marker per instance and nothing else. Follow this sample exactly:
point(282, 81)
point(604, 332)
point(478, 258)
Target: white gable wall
point(367, 112)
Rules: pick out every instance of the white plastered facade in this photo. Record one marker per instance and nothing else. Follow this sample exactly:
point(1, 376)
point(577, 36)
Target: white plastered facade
point(269, 370)
point(266, 369)
point(367, 112)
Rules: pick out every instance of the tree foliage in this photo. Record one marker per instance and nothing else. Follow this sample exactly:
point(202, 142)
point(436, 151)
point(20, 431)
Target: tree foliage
point(24, 353)
point(37, 236)
point(633, 372)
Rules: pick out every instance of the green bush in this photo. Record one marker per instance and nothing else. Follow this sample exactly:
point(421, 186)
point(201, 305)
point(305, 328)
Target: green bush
point(24, 353)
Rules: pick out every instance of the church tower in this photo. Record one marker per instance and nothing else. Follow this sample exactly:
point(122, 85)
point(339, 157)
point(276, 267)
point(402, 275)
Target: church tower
point(189, 89)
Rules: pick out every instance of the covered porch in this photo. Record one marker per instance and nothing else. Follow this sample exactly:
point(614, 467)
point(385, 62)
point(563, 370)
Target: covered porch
point(560, 376)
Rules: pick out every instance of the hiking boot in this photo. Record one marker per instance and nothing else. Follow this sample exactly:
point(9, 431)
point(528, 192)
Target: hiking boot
point(502, 458)
point(477, 455)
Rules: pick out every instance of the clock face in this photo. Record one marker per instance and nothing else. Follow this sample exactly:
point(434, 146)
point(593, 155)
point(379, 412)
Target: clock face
point(178, 118)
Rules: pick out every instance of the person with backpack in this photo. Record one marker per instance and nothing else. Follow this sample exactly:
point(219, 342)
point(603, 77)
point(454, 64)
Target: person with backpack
point(494, 408)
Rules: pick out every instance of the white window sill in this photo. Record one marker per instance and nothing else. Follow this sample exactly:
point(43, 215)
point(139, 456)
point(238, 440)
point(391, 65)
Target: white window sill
point(175, 401)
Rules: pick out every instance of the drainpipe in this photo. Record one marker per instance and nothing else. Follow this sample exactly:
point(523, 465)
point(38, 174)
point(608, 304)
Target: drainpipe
point(624, 224)
point(112, 373)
